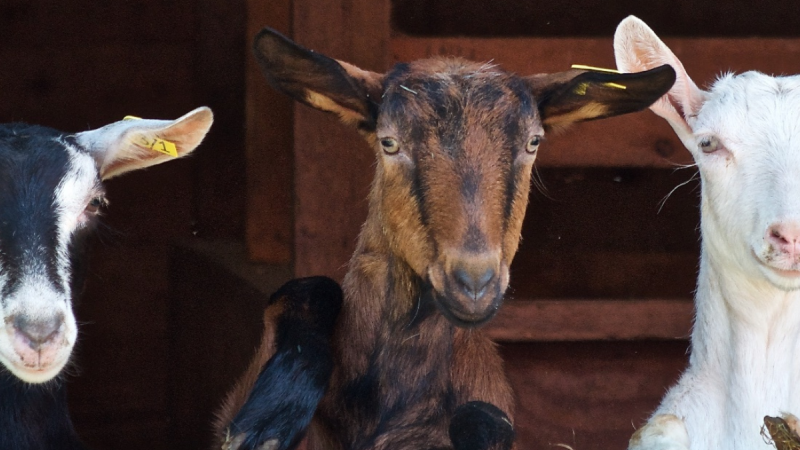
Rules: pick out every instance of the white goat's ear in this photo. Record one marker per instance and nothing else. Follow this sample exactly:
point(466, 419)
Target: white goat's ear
point(134, 143)
point(637, 48)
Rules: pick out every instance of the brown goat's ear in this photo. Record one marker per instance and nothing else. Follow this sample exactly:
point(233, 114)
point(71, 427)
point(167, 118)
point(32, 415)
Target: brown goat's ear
point(318, 81)
point(576, 95)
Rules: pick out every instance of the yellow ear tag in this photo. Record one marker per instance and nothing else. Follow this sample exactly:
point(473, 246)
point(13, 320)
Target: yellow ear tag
point(594, 69)
point(615, 85)
point(580, 89)
point(155, 144)
point(159, 145)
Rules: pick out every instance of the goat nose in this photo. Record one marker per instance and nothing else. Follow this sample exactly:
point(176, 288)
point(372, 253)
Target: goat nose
point(38, 332)
point(474, 280)
point(785, 237)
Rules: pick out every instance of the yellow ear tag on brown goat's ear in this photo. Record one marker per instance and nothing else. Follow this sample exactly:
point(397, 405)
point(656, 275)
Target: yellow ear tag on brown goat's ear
point(581, 89)
point(594, 69)
point(155, 144)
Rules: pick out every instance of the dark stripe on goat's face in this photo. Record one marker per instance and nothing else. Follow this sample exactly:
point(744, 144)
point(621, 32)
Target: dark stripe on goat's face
point(516, 139)
point(32, 165)
point(419, 192)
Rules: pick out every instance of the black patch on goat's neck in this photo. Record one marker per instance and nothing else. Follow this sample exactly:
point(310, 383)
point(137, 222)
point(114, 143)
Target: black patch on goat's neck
point(37, 414)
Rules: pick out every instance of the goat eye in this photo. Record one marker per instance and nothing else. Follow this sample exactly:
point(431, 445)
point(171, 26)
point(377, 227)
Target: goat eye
point(390, 146)
point(709, 144)
point(95, 204)
point(533, 144)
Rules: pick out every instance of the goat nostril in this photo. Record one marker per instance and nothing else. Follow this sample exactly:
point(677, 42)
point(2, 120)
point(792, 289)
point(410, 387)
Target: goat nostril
point(777, 236)
point(38, 332)
point(474, 283)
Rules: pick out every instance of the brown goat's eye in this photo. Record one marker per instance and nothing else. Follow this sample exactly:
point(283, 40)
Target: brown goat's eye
point(533, 144)
point(709, 144)
point(390, 146)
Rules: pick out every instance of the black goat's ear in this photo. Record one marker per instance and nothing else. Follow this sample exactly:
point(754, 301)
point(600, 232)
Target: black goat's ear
point(319, 81)
point(574, 96)
point(135, 143)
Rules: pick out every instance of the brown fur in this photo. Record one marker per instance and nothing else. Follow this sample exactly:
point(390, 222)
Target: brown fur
point(449, 201)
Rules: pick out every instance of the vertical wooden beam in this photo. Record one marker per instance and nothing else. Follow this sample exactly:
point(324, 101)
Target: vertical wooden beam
point(269, 142)
point(218, 206)
point(333, 164)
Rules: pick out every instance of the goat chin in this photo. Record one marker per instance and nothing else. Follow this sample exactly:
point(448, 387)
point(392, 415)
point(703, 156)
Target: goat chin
point(35, 375)
point(445, 305)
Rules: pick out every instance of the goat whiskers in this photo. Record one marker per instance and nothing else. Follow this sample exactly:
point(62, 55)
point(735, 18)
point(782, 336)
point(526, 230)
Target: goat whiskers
point(664, 200)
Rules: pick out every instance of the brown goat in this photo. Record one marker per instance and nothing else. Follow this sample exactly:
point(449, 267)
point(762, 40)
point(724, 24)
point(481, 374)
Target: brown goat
point(455, 142)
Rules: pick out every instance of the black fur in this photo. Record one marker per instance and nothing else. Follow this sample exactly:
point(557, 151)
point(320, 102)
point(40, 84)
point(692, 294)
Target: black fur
point(32, 163)
point(291, 384)
point(35, 417)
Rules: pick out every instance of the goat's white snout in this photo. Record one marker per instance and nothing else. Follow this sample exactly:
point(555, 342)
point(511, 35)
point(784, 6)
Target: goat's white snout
point(37, 341)
point(783, 241)
point(777, 244)
point(37, 334)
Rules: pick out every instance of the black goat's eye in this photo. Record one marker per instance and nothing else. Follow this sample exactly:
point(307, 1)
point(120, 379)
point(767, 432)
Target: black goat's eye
point(533, 144)
point(390, 146)
point(709, 144)
point(95, 204)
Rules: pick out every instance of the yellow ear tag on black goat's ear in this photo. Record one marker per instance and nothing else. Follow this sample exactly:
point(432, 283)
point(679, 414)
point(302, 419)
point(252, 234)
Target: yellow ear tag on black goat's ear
point(155, 144)
point(581, 90)
point(159, 145)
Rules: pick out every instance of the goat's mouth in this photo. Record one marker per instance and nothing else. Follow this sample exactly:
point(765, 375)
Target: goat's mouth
point(468, 290)
point(36, 366)
point(462, 312)
point(781, 273)
point(459, 319)
point(32, 373)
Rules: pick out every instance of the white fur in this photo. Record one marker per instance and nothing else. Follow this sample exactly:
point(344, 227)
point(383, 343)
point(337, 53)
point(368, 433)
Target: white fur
point(743, 364)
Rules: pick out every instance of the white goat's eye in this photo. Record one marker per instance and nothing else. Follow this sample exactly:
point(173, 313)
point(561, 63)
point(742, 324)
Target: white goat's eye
point(390, 146)
point(709, 144)
point(533, 144)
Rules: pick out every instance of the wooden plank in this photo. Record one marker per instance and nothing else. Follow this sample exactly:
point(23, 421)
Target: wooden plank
point(269, 229)
point(45, 25)
point(219, 206)
point(334, 165)
point(641, 139)
point(588, 395)
point(572, 18)
point(89, 86)
point(603, 274)
point(591, 320)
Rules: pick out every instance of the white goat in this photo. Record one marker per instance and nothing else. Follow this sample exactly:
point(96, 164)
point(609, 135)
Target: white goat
point(744, 135)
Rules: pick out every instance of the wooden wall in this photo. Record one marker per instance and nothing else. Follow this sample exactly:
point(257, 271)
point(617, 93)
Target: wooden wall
point(81, 64)
point(593, 351)
point(598, 316)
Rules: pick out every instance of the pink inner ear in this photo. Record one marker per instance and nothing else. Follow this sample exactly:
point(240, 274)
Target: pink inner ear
point(637, 48)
